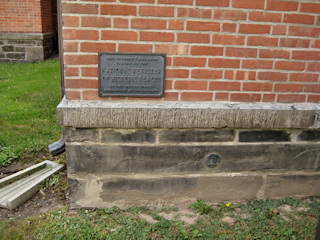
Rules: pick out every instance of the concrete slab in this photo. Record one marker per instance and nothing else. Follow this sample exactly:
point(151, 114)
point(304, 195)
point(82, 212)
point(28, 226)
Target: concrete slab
point(19, 187)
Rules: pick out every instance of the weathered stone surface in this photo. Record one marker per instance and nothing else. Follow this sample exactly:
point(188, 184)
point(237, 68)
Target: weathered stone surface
point(155, 189)
point(81, 135)
point(20, 49)
point(128, 136)
point(88, 114)
point(296, 185)
point(15, 55)
point(309, 135)
point(167, 136)
point(35, 53)
point(264, 136)
point(7, 48)
point(103, 159)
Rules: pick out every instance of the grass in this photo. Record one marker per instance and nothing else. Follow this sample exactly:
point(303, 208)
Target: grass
point(259, 219)
point(29, 94)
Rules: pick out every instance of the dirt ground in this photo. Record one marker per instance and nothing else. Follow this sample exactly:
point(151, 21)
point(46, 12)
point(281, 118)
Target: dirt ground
point(47, 199)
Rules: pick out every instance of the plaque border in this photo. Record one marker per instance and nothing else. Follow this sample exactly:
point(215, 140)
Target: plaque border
point(160, 95)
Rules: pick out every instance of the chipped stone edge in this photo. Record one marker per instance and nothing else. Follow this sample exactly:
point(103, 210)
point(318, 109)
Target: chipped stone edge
point(110, 114)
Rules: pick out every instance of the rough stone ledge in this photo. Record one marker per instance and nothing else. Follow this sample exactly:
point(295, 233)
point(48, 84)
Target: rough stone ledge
point(92, 114)
point(157, 190)
point(25, 36)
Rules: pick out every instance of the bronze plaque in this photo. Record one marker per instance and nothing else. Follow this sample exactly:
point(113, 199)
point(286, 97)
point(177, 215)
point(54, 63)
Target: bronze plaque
point(131, 74)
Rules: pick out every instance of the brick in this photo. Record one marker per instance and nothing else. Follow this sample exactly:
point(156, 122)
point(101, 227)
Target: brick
point(80, 59)
point(70, 21)
point(273, 76)
point(73, 95)
point(206, 74)
point(304, 31)
point(257, 64)
point(72, 34)
point(245, 97)
point(262, 41)
point(224, 86)
point(264, 136)
point(313, 67)
point(224, 63)
point(138, 136)
point(89, 72)
point(179, 136)
point(313, 88)
point(134, 1)
point(115, 9)
point(309, 135)
point(119, 35)
point(176, 25)
point(257, 4)
point(265, 16)
point(287, 87)
point(257, 86)
point(157, 36)
point(97, 47)
point(193, 38)
point(196, 96)
point(228, 39)
point(206, 51)
point(279, 30)
point(229, 14)
point(71, 71)
point(120, 23)
point(191, 85)
point(81, 135)
point(254, 29)
point(241, 52)
point(295, 66)
point(176, 2)
point(171, 96)
point(313, 98)
point(240, 75)
point(278, 5)
point(81, 83)
point(79, 8)
point(291, 98)
point(156, 11)
point(298, 18)
point(268, 53)
point(91, 95)
point(214, 3)
point(310, 7)
point(294, 43)
point(315, 43)
point(229, 27)
point(177, 73)
point(148, 23)
point(172, 49)
point(268, 97)
point(220, 96)
point(70, 46)
point(98, 22)
point(203, 26)
point(194, 13)
point(127, 47)
point(168, 84)
point(303, 77)
point(306, 55)
point(189, 62)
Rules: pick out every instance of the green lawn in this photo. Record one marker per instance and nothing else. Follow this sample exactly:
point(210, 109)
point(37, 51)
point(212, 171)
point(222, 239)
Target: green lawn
point(29, 94)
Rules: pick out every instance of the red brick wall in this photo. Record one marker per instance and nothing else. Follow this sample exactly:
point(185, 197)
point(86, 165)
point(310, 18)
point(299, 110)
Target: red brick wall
point(21, 16)
point(217, 50)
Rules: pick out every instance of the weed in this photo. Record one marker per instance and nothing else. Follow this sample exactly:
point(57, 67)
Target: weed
point(6, 156)
point(201, 207)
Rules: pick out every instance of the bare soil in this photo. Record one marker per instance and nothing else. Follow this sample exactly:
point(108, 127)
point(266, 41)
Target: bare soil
point(47, 199)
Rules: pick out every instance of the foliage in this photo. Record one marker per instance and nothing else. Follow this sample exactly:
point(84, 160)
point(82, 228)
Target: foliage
point(259, 219)
point(201, 207)
point(29, 94)
point(6, 156)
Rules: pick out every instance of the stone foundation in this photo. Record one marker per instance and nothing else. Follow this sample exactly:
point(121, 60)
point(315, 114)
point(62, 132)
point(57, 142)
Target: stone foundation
point(263, 151)
point(25, 47)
